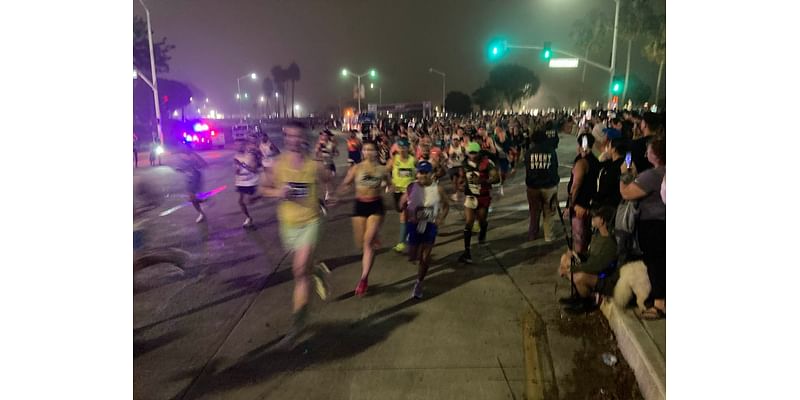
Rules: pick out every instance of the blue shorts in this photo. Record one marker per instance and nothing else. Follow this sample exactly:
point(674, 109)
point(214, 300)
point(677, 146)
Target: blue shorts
point(415, 238)
point(504, 165)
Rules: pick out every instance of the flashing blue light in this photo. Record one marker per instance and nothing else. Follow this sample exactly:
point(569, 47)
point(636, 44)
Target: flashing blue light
point(200, 127)
point(188, 138)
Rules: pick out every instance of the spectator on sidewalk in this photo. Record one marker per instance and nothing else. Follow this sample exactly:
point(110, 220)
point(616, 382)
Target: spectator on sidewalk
point(651, 226)
point(610, 170)
point(582, 188)
point(601, 258)
point(541, 178)
point(650, 125)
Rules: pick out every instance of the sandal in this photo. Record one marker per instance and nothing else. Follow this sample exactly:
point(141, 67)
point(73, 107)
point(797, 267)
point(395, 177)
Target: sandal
point(652, 314)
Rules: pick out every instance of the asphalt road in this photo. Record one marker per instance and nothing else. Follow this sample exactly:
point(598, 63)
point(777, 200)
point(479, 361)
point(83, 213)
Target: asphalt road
point(206, 331)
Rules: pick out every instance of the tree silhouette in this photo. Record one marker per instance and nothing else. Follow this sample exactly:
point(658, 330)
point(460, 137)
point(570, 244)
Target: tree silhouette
point(590, 33)
point(634, 19)
point(293, 75)
point(279, 77)
point(141, 49)
point(656, 48)
point(268, 87)
point(458, 103)
point(487, 97)
point(513, 82)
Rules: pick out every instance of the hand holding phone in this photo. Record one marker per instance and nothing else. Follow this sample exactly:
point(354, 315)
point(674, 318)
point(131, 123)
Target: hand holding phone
point(585, 143)
point(628, 159)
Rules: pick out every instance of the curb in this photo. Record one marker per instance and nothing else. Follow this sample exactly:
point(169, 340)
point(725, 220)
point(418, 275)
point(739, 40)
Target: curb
point(539, 378)
point(639, 350)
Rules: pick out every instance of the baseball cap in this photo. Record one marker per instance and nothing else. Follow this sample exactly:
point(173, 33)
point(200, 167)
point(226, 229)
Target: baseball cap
point(612, 133)
point(424, 167)
point(402, 142)
point(473, 147)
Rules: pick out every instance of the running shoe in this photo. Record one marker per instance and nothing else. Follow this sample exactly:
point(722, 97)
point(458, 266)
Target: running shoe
point(454, 197)
point(200, 218)
point(466, 258)
point(400, 247)
point(248, 223)
point(361, 289)
point(323, 208)
point(476, 228)
point(417, 292)
point(320, 283)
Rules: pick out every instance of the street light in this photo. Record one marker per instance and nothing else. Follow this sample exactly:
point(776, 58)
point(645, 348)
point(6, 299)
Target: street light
point(371, 73)
point(444, 80)
point(252, 76)
point(154, 84)
point(380, 94)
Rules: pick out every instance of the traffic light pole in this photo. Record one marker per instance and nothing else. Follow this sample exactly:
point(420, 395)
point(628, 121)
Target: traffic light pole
point(154, 84)
point(613, 52)
point(565, 53)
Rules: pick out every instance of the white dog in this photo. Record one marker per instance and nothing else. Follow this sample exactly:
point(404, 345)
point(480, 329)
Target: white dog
point(633, 280)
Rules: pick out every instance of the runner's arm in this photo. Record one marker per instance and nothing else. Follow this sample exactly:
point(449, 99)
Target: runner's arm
point(267, 187)
point(445, 207)
point(348, 180)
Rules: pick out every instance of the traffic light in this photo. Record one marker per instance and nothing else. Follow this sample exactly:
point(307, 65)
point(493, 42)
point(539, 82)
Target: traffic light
point(497, 49)
point(547, 52)
point(617, 85)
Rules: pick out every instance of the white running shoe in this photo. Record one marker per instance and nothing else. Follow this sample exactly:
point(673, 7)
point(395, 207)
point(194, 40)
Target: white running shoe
point(248, 223)
point(200, 218)
point(417, 292)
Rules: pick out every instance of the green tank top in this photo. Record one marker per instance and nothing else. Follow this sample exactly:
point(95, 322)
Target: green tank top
point(403, 173)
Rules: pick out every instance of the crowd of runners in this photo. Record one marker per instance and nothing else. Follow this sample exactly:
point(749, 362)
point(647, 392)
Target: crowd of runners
point(615, 212)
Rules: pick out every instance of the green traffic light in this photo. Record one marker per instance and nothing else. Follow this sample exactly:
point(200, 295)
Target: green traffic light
point(497, 49)
point(372, 73)
point(616, 87)
point(547, 54)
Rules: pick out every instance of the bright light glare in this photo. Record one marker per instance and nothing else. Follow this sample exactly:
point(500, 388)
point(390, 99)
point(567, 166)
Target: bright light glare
point(344, 72)
point(159, 150)
point(253, 76)
point(372, 73)
point(135, 75)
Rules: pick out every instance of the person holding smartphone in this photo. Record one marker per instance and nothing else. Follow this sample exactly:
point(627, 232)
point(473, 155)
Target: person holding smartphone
point(582, 188)
point(617, 152)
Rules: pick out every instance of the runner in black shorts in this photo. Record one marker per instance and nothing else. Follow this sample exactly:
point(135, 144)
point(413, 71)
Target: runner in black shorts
point(369, 178)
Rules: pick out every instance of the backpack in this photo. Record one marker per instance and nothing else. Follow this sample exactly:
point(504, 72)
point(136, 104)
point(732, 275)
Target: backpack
point(626, 233)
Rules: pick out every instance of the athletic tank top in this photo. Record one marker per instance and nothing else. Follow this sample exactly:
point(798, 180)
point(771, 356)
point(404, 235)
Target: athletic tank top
point(456, 157)
point(302, 205)
point(424, 203)
point(326, 152)
point(368, 178)
point(245, 177)
point(473, 172)
point(589, 186)
point(403, 173)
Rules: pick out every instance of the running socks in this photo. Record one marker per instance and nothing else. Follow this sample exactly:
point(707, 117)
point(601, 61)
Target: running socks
point(403, 232)
point(482, 234)
point(467, 237)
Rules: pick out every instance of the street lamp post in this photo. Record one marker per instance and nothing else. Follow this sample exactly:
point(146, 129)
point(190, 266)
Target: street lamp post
point(444, 80)
point(380, 94)
point(239, 90)
point(371, 73)
point(154, 84)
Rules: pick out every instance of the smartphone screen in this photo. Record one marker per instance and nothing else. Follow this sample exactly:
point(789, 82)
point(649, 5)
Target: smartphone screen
point(585, 143)
point(628, 159)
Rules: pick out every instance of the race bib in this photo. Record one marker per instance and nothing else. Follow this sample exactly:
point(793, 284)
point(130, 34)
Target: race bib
point(471, 202)
point(472, 182)
point(404, 172)
point(297, 190)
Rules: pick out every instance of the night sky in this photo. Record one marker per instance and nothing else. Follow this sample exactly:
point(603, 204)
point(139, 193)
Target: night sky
point(219, 40)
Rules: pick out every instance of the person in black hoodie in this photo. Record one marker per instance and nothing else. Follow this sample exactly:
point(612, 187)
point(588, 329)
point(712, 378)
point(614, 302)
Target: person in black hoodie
point(541, 177)
point(610, 170)
point(582, 188)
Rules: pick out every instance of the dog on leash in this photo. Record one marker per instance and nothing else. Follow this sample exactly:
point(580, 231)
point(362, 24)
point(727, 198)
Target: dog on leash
point(633, 280)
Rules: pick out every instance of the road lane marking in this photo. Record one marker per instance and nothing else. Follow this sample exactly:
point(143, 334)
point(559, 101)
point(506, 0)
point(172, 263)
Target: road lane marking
point(201, 196)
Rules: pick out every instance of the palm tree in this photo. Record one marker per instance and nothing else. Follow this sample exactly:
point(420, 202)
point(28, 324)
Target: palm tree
point(268, 88)
point(590, 32)
point(656, 49)
point(279, 77)
point(634, 18)
point(293, 75)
